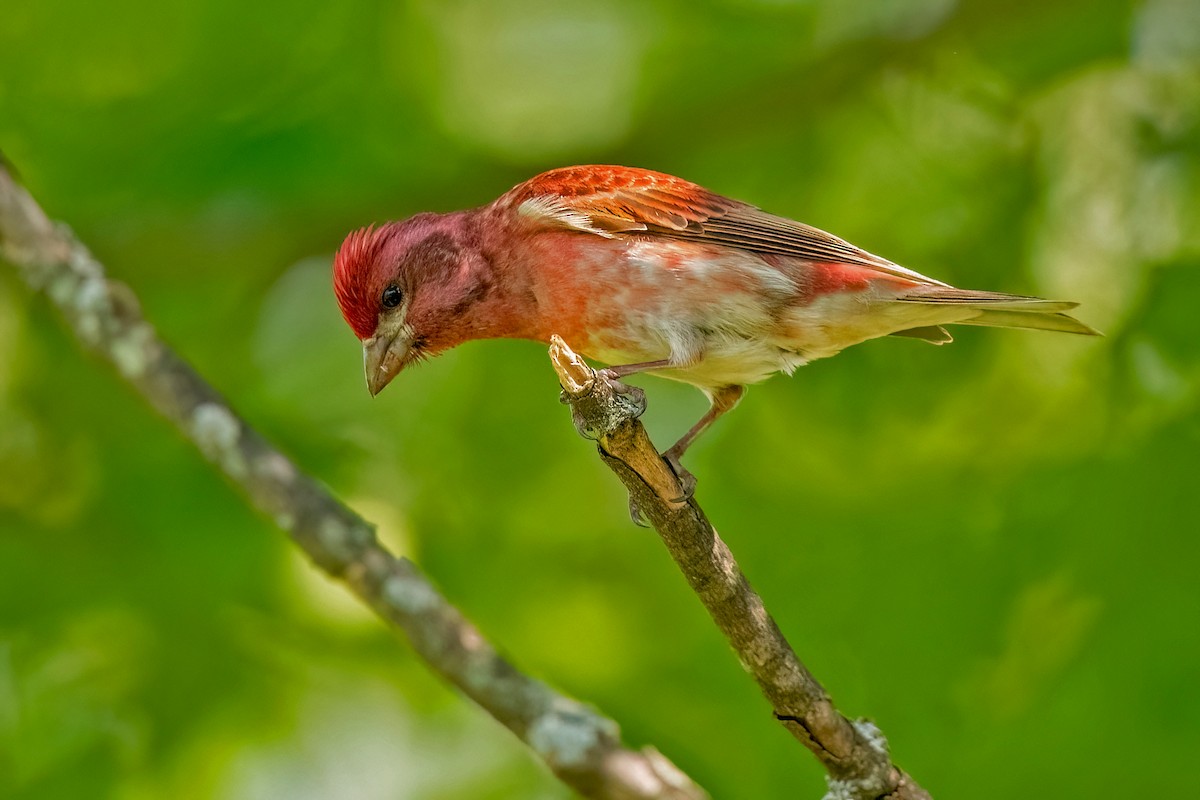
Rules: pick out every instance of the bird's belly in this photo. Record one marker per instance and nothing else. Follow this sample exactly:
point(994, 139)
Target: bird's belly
point(820, 328)
point(631, 301)
point(736, 363)
point(723, 361)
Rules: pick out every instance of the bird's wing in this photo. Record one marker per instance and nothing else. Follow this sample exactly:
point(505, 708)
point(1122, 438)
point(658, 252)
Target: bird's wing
point(613, 201)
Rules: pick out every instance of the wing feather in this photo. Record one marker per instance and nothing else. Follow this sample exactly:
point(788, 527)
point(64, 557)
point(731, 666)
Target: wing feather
point(614, 201)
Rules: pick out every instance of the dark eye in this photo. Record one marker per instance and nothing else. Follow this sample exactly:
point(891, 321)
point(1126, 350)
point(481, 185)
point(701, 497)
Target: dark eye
point(391, 296)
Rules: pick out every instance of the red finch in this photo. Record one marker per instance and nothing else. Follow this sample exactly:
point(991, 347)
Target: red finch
point(650, 273)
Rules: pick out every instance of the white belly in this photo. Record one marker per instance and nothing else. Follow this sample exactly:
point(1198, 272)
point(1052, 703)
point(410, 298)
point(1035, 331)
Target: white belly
point(819, 329)
point(723, 317)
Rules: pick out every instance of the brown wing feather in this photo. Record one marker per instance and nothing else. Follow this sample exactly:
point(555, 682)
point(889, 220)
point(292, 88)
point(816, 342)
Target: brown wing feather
point(611, 200)
point(616, 199)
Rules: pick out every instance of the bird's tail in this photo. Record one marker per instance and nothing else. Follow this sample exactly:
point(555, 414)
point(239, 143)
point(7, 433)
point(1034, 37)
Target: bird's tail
point(999, 310)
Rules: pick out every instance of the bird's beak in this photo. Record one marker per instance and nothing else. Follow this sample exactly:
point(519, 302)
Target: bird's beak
point(383, 358)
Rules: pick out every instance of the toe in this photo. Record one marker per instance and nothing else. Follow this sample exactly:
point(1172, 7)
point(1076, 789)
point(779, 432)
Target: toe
point(687, 481)
point(635, 514)
point(635, 395)
point(615, 383)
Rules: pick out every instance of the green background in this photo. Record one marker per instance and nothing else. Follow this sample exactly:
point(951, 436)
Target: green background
point(989, 548)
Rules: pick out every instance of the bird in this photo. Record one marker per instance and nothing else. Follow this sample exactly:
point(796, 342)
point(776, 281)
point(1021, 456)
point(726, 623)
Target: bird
point(648, 273)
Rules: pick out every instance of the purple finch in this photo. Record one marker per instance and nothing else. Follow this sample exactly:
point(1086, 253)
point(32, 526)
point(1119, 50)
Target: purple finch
point(649, 273)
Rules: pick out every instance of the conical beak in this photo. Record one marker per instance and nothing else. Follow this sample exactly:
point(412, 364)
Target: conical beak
point(383, 358)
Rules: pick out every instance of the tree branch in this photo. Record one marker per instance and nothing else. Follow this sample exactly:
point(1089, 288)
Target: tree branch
point(854, 754)
point(580, 746)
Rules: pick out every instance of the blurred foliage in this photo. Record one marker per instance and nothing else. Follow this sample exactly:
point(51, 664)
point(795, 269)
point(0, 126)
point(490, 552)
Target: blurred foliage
point(990, 548)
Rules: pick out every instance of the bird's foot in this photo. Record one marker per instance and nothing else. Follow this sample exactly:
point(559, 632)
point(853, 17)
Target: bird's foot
point(687, 486)
point(687, 481)
point(636, 514)
point(634, 394)
point(630, 402)
point(634, 398)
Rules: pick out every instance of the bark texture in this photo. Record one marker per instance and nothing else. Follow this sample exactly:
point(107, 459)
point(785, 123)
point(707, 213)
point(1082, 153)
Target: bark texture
point(854, 753)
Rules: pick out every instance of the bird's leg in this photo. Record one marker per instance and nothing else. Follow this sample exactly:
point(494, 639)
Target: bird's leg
point(612, 376)
point(624, 370)
point(633, 394)
point(723, 400)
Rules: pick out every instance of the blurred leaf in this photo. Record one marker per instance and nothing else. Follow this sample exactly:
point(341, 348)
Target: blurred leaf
point(970, 544)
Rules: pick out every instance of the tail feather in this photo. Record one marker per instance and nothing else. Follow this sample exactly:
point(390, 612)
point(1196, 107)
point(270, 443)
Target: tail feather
point(934, 334)
point(1000, 310)
point(1031, 320)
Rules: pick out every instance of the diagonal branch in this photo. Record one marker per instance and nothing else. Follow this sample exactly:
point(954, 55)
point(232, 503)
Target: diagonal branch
point(854, 754)
point(582, 747)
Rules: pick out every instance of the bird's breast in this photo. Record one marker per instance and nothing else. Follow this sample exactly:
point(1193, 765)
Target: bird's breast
point(723, 315)
point(634, 299)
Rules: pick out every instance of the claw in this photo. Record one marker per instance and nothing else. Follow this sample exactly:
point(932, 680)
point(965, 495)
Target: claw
point(636, 514)
point(636, 396)
point(614, 381)
point(633, 396)
point(612, 378)
point(687, 481)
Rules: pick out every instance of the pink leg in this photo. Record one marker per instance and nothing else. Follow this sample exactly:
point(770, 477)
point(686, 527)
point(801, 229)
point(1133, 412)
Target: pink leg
point(723, 400)
point(613, 376)
point(625, 370)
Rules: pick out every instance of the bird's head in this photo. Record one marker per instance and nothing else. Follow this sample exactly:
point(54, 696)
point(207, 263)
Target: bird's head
point(400, 287)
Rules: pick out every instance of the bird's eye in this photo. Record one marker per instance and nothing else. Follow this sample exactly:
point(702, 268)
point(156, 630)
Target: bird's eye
point(391, 296)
